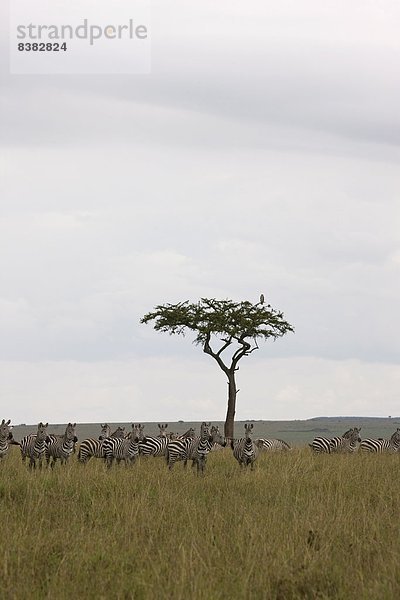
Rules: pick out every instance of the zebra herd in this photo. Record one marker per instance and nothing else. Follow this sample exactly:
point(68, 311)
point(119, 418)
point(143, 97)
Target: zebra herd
point(351, 441)
point(127, 447)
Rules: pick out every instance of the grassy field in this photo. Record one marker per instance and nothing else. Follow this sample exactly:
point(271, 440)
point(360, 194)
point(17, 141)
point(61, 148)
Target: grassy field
point(299, 526)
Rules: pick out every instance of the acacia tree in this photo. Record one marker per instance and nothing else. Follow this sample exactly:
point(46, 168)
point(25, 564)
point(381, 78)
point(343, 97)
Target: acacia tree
point(226, 330)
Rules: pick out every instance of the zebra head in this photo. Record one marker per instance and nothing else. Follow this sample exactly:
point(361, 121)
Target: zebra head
point(351, 439)
point(163, 429)
point(248, 430)
point(395, 439)
point(216, 437)
point(41, 434)
point(5, 430)
point(118, 433)
point(355, 436)
point(204, 430)
point(70, 432)
point(105, 431)
point(214, 430)
point(190, 433)
point(137, 432)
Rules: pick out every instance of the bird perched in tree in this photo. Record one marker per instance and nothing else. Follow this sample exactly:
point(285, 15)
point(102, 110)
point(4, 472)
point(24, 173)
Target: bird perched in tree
point(262, 299)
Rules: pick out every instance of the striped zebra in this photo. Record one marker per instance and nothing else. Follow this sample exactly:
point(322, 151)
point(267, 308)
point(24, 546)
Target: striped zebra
point(200, 449)
point(105, 431)
point(216, 445)
point(380, 445)
point(199, 452)
point(195, 449)
point(155, 446)
point(61, 447)
point(6, 437)
point(34, 446)
point(189, 434)
point(322, 445)
point(245, 450)
point(347, 443)
point(126, 449)
point(179, 449)
point(272, 445)
point(53, 437)
point(95, 448)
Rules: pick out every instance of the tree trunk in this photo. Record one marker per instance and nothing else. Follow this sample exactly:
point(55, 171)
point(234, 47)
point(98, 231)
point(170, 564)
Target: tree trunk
point(230, 414)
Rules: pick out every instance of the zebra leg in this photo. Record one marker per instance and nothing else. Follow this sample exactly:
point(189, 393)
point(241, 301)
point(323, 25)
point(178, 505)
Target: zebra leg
point(201, 464)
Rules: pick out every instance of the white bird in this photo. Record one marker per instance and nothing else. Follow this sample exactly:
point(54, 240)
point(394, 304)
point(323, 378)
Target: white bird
point(262, 299)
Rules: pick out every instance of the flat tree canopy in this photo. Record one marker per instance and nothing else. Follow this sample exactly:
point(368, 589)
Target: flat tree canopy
point(225, 329)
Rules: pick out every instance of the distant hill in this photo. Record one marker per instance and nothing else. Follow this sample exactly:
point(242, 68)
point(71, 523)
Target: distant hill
point(296, 433)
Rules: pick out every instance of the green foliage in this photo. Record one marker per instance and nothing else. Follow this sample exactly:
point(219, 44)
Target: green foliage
point(225, 319)
point(300, 526)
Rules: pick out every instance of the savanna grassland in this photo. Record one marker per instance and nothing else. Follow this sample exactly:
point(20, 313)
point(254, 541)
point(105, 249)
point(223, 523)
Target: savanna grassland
point(299, 526)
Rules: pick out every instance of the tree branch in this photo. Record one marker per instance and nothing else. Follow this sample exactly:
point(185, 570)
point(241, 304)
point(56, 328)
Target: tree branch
point(208, 350)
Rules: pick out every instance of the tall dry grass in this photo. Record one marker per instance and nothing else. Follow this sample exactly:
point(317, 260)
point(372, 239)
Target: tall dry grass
point(299, 526)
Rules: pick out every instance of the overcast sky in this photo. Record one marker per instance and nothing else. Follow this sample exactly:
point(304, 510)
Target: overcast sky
point(260, 155)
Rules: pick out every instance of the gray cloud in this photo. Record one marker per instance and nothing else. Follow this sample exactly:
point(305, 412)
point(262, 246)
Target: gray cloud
point(260, 155)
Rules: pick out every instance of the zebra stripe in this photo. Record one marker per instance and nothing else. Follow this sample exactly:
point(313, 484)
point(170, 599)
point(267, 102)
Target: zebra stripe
point(94, 448)
point(195, 449)
point(200, 449)
point(199, 452)
point(105, 431)
point(190, 433)
point(155, 446)
point(349, 442)
point(177, 450)
point(34, 446)
point(272, 445)
point(5, 437)
point(217, 445)
point(123, 448)
point(380, 445)
point(61, 447)
point(245, 450)
point(185, 449)
point(322, 445)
